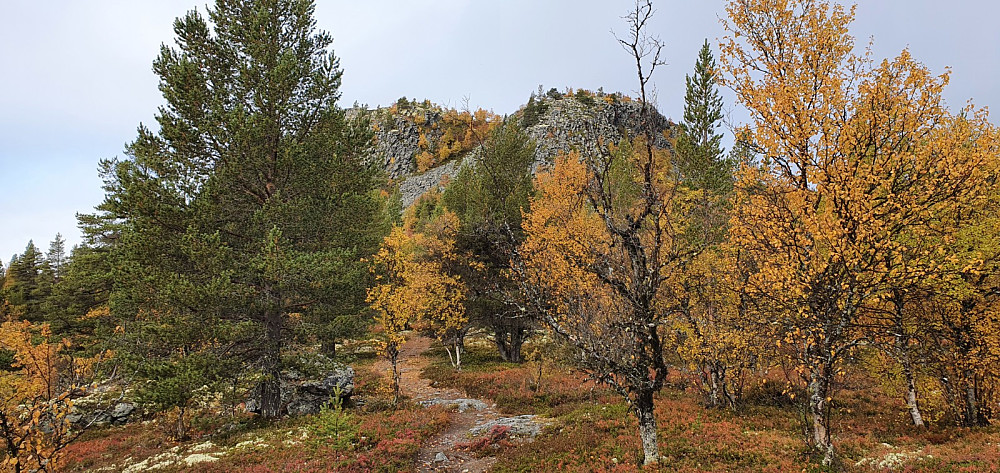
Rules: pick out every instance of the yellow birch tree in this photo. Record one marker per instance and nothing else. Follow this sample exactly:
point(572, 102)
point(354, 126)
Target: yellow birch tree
point(854, 154)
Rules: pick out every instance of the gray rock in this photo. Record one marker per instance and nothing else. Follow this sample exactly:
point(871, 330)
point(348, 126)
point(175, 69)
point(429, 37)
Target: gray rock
point(440, 458)
point(461, 404)
point(301, 395)
point(526, 426)
point(122, 411)
point(567, 124)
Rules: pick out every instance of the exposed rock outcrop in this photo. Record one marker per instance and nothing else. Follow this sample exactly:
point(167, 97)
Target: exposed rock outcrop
point(562, 123)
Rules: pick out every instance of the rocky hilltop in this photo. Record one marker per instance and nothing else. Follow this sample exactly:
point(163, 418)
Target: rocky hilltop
point(420, 143)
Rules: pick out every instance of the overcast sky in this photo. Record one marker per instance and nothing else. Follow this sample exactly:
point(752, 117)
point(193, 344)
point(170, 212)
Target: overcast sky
point(76, 80)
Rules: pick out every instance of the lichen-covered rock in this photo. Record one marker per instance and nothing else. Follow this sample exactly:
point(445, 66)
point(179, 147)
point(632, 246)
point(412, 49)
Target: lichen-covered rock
point(526, 426)
point(461, 404)
point(84, 413)
point(121, 412)
point(301, 394)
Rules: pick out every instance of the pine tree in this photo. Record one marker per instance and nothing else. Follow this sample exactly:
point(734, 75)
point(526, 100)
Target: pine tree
point(489, 197)
point(699, 148)
point(25, 287)
point(56, 256)
point(250, 208)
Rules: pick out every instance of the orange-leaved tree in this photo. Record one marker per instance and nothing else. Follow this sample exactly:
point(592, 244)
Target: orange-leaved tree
point(437, 275)
point(602, 244)
point(35, 396)
point(390, 298)
point(854, 154)
point(604, 240)
point(414, 290)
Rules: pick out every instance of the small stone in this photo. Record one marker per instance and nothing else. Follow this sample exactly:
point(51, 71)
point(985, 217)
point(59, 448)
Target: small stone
point(440, 458)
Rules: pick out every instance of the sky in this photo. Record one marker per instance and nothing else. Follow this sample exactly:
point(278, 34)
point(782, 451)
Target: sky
point(76, 77)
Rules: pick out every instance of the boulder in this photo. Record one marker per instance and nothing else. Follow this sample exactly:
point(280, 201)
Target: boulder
point(84, 414)
point(526, 426)
point(461, 404)
point(121, 412)
point(302, 395)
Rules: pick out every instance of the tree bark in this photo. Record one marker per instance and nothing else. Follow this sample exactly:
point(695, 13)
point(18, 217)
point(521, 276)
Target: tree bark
point(509, 341)
point(270, 386)
point(971, 402)
point(819, 391)
point(903, 354)
point(647, 427)
point(181, 430)
point(392, 351)
point(911, 394)
point(329, 346)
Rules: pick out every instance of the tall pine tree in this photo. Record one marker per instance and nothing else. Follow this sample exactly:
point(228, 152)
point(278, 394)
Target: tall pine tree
point(699, 148)
point(56, 256)
point(250, 209)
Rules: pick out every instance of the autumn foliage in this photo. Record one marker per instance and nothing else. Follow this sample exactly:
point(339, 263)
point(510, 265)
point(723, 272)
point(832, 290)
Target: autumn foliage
point(862, 166)
point(35, 396)
point(415, 288)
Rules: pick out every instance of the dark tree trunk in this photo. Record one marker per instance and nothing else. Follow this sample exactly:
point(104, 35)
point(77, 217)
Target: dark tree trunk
point(509, 341)
point(270, 385)
point(973, 415)
point(329, 346)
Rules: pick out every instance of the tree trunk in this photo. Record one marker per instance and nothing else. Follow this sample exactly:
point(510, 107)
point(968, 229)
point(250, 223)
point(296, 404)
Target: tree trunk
point(181, 430)
point(458, 343)
point(509, 342)
point(329, 346)
point(911, 394)
point(819, 390)
point(392, 352)
point(516, 341)
point(903, 354)
point(499, 338)
point(971, 402)
point(647, 427)
point(270, 386)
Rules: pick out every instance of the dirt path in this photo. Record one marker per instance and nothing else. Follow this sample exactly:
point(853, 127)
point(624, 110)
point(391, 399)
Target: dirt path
point(420, 389)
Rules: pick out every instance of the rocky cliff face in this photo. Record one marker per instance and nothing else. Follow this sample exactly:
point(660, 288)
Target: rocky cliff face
point(558, 123)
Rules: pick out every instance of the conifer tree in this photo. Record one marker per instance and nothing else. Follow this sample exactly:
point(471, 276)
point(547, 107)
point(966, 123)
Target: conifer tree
point(699, 148)
point(24, 287)
point(250, 209)
point(489, 197)
point(56, 256)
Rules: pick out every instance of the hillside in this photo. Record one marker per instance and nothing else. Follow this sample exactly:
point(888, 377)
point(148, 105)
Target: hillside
point(420, 143)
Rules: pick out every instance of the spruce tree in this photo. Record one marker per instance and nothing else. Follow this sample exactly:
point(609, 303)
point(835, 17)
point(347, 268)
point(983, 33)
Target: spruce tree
point(699, 148)
point(701, 161)
point(249, 210)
